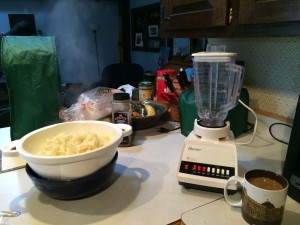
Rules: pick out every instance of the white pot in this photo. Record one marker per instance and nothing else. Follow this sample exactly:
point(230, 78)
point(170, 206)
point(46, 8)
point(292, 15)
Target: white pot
point(69, 166)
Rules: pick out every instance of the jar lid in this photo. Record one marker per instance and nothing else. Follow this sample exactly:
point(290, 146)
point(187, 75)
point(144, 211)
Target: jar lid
point(121, 96)
point(214, 56)
point(145, 83)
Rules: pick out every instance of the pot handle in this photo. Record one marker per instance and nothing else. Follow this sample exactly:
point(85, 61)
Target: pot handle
point(9, 149)
point(127, 129)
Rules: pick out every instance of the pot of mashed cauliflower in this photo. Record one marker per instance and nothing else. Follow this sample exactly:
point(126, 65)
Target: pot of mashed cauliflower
point(73, 149)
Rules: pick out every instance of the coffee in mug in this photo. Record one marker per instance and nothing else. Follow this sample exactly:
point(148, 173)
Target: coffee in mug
point(263, 196)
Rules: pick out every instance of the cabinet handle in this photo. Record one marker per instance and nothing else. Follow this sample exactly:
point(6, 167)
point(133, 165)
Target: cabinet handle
point(264, 1)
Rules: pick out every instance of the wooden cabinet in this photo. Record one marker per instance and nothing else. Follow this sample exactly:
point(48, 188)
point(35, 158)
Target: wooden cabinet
point(229, 18)
point(268, 11)
point(192, 14)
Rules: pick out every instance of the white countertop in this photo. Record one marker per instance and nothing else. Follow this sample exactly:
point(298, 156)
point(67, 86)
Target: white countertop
point(146, 190)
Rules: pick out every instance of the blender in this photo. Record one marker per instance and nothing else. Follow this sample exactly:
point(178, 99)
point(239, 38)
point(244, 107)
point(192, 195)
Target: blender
point(208, 156)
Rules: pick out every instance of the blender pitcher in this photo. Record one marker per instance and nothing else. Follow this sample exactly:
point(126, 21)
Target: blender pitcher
point(217, 83)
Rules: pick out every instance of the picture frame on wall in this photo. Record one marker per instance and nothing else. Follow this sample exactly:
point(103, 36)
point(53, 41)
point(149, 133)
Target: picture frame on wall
point(153, 31)
point(139, 40)
point(145, 29)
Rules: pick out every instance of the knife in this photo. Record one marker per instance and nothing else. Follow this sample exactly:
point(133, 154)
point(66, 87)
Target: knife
point(169, 83)
point(180, 81)
point(183, 77)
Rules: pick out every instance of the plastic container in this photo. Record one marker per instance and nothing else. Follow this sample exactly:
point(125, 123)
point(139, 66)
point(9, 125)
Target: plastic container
point(217, 83)
point(121, 113)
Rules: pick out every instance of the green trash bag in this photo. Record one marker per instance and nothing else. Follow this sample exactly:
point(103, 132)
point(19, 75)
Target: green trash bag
point(187, 109)
point(30, 67)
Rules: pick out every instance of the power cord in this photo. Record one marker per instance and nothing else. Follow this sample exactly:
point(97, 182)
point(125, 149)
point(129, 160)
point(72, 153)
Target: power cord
point(250, 127)
point(270, 131)
point(254, 127)
point(166, 130)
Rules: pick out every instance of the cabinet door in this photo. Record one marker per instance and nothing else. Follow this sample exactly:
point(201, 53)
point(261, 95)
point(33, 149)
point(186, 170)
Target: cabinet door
point(193, 14)
point(268, 11)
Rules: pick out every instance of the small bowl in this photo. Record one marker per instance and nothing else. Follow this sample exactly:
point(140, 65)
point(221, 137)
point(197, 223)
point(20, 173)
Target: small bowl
point(140, 123)
point(77, 188)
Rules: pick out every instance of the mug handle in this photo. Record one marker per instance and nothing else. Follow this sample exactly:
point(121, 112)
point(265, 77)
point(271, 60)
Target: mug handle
point(9, 149)
point(230, 181)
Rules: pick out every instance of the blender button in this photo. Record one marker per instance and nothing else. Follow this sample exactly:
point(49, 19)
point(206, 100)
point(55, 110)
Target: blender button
point(227, 173)
point(222, 171)
point(218, 171)
point(208, 169)
point(213, 170)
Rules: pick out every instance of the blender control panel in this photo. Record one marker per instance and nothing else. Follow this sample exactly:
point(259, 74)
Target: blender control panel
point(206, 170)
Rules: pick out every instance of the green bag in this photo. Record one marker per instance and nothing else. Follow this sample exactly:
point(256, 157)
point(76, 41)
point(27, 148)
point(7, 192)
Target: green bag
point(30, 67)
point(187, 109)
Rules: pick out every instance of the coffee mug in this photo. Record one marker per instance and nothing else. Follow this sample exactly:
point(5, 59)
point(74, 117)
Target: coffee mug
point(263, 196)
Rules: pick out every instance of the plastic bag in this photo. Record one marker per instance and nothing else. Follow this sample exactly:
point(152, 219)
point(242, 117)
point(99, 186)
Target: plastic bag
point(33, 81)
point(91, 105)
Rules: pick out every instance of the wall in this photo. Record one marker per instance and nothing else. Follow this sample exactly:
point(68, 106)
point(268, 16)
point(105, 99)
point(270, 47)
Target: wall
point(149, 60)
point(70, 22)
point(272, 72)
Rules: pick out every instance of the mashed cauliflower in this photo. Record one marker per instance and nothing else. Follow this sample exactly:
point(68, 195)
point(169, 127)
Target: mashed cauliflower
point(71, 143)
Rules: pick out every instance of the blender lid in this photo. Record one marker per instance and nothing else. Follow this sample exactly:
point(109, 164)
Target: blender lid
point(214, 56)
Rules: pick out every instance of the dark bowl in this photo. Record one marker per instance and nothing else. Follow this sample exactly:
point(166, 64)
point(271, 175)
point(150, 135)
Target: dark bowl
point(140, 123)
point(77, 188)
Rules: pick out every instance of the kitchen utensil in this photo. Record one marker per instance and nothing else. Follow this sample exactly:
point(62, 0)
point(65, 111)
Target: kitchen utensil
point(182, 79)
point(139, 107)
point(9, 213)
point(70, 166)
point(140, 123)
point(74, 188)
point(208, 155)
point(169, 82)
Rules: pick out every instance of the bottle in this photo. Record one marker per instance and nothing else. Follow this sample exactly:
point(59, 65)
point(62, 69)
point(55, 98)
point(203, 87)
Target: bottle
point(121, 113)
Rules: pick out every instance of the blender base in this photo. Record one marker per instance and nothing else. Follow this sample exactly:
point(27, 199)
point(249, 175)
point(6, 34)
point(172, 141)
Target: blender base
point(205, 188)
point(207, 164)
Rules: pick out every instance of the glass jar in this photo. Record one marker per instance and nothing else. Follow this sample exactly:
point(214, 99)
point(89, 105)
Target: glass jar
point(121, 113)
point(145, 90)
